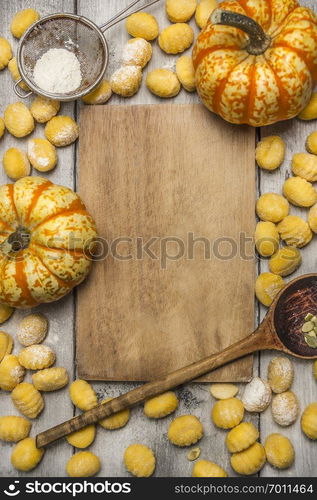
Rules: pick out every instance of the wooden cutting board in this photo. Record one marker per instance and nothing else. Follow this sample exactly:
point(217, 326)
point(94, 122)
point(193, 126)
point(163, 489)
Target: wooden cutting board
point(156, 177)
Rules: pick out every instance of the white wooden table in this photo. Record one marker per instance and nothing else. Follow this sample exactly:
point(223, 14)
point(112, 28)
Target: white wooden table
point(195, 398)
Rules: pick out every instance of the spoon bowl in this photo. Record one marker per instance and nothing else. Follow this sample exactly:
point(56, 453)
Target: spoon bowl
point(289, 309)
point(280, 330)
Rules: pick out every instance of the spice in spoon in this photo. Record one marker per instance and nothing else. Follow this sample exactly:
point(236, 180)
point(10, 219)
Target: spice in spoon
point(309, 330)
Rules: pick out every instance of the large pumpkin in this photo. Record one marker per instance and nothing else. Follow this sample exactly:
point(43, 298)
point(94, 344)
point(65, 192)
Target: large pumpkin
point(256, 60)
point(45, 234)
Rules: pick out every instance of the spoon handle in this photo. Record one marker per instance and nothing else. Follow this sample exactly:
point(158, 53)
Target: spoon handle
point(258, 340)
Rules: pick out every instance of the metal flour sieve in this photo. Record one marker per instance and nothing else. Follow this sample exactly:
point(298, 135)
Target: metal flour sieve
point(76, 34)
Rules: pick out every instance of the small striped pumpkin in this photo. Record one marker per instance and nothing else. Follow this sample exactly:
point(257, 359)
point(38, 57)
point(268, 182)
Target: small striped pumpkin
point(45, 237)
point(256, 60)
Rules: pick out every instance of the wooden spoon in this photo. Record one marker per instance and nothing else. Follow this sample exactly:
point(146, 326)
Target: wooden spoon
point(280, 330)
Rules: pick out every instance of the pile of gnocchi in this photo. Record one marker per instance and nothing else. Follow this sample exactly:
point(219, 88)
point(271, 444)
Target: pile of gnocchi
point(174, 39)
point(248, 455)
point(276, 224)
point(60, 131)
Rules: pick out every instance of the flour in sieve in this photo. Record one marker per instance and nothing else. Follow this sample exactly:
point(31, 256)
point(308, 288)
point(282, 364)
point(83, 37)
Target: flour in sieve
point(57, 71)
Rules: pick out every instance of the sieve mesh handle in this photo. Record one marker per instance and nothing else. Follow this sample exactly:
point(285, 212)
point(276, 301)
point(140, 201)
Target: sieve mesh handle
point(18, 92)
point(119, 16)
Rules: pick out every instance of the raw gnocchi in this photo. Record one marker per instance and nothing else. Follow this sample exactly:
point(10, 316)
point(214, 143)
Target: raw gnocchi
point(82, 438)
point(279, 451)
point(27, 400)
point(309, 421)
point(295, 231)
point(143, 25)
point(37, 357)
point(18, 119)
point(267, 286)
point(272, 207)
point(266, 238)
point(16, 164)
point(205, 468)
point(116, 421)
point(299, 192)
point(241, 437)
point(312, 218)
point(249, 461)
point(137, 52)
point(43, 109)
point(285, 261)
point(82, 395)
point(5, 313)
point(100, 95)
point(163, 83)
point(310, 111)
point(227, 413)
point(6, 344)
point(305, 165)
point(25, 455)
point(42, 154)
point(5, 52)
point(161, 405)
point(311, 143)
point(186, 73)
point(180, 11)
point(203, 12)
point(285, 408)
point(126, 80)
point(22, 21)
point(185, 430)
point(2, 127)
point(13, 429)
point(11, 372)
point(32, 329)
point(257, 395)
point(50, 379)
point(83, 464)
point(139, 460)
point(270, 152)
point(223, 391)
point(176, 38)
point(280, 374)
point(61, 131)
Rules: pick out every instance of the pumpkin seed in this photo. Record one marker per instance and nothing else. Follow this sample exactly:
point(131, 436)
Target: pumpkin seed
point(307, 327)
point(311, 341)
point(308, 317)
point(315, 329)
point(311, 334)
point(193, 454)
point(314, 320)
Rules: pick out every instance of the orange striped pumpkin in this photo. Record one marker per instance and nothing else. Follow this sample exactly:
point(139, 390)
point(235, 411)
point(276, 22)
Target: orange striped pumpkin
point(256, 60)
point(45, 234)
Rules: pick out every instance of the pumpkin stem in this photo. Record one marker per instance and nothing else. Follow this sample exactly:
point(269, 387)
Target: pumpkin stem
point(259, 41)
point(19, 240)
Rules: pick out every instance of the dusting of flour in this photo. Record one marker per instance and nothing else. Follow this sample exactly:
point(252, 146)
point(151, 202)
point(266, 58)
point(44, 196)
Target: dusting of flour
point(57, 71)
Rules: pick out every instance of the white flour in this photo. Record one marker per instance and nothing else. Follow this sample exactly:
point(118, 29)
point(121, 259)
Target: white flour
point(57, 71)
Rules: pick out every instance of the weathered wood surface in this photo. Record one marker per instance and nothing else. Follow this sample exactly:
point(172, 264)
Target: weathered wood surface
point(195, 398)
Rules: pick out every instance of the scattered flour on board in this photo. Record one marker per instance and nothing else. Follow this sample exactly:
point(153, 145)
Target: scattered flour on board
point(57, 71)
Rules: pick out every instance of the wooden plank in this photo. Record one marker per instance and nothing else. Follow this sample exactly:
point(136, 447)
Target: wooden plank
point(151, 314)
point(194, 398)
point(60, 314)
point(294, 133)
